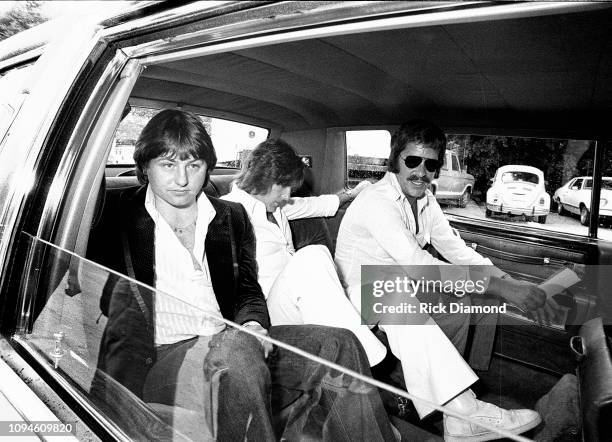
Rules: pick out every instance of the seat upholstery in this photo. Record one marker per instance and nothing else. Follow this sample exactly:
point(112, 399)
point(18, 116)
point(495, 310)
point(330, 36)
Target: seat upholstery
point(305, 231)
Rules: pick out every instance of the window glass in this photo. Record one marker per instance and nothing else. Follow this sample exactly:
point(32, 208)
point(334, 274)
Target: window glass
point(525, 177)
point(524, 181)
point(86, 323)
point(455, 163)
point(367, 153)
point(547, 170)
point(232, 140)
point(445, 162)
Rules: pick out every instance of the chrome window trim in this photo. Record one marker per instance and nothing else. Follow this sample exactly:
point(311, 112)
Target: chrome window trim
point(87, 129)
point(166, 17)
point(279, 30)
point(64, 58)
point(91, 131)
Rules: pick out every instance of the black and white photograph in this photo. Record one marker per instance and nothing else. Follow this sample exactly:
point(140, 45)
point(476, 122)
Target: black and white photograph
point(306, 221)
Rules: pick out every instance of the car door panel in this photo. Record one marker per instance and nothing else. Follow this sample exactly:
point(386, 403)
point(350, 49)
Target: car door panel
point(534, 256)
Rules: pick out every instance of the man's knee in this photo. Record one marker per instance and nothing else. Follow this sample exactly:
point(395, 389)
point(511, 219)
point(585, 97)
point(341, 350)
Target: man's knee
point(237, 359)
point(315, 253)
point(338, 345)
point(342, 347)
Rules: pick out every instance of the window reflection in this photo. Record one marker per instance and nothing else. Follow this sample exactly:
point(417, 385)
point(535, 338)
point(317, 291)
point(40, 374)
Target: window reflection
point(67, 325)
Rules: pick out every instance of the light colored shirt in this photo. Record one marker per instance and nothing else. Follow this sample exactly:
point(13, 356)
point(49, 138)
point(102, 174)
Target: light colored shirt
point(274, 243)
point(379, 228)
point(185, 311)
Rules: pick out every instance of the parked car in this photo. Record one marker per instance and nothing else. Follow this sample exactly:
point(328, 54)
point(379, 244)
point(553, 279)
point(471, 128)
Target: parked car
point(307, 72)
point(518, 190)
point(453, 184)
point(575, 197)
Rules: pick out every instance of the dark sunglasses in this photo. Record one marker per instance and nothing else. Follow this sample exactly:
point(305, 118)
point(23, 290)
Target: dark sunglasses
point(412, 161)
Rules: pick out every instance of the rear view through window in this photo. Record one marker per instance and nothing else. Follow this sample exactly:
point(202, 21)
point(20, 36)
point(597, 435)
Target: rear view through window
point(232, 140)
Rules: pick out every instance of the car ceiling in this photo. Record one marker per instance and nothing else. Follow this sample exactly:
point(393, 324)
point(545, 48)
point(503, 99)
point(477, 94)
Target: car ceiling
point(549, 74)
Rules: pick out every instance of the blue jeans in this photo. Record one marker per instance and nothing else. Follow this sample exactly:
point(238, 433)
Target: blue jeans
point(287, 396)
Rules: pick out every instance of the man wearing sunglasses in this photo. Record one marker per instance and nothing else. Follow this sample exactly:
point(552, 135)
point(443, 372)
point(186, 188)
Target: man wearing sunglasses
point(395, 222)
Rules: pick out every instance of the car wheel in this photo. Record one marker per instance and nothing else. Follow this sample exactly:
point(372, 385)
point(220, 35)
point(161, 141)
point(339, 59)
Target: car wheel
point(488, 213)
point(584, 216)
point(560, 209)
point(542, 219)
point(465, 198)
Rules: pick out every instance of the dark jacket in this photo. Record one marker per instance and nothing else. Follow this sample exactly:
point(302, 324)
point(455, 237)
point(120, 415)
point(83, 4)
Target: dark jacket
point(127, 347)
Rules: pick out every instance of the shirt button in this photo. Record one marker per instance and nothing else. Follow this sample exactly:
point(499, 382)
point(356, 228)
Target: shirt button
point(148, 361)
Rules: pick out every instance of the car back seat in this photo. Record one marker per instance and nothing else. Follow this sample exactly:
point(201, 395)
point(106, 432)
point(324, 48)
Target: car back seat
point(305, 231)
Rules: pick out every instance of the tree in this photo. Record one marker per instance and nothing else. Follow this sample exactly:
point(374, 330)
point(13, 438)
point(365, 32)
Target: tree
point(20, 17)
point(484, 154)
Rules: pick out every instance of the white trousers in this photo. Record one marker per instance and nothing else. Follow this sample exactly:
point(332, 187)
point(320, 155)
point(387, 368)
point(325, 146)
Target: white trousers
point(433, 369)
point(308, 291)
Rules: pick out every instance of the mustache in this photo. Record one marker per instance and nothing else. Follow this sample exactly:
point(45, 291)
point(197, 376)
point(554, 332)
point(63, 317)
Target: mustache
point(415, 177)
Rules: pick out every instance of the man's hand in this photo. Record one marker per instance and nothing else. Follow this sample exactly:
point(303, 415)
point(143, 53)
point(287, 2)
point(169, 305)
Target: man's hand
point(550, 313)
point(525, 295)
point(350, 194)
point(257, 328)
point(528, 297)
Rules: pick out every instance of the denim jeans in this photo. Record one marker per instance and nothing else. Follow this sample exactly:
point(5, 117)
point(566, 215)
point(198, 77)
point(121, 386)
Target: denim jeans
point(313, 402)
point(286, 397)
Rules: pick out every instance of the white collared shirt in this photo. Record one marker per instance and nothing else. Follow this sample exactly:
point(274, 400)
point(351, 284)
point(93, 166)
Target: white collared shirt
point(186, 312)
point(379, 228)
point(274, 243)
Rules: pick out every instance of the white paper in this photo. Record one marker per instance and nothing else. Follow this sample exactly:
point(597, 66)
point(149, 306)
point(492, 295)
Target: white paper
point(559, 282)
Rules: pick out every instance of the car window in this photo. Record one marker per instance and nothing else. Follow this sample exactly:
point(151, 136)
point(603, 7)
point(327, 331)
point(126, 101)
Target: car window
point(446, 161)
point(525, 177)
point(367, 153)
point(577, 184)
point(588, 184)
point(560, 161)
point(72, 332)
point(232, 140)
point(456, 164)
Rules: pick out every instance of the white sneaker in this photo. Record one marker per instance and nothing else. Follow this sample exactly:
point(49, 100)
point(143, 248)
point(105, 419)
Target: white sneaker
point(514, 421)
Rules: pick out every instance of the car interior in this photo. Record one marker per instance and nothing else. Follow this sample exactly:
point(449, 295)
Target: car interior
point(541, 73)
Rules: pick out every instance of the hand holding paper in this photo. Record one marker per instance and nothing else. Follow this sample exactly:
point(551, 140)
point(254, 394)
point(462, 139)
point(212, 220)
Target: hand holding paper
point(559, 282)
